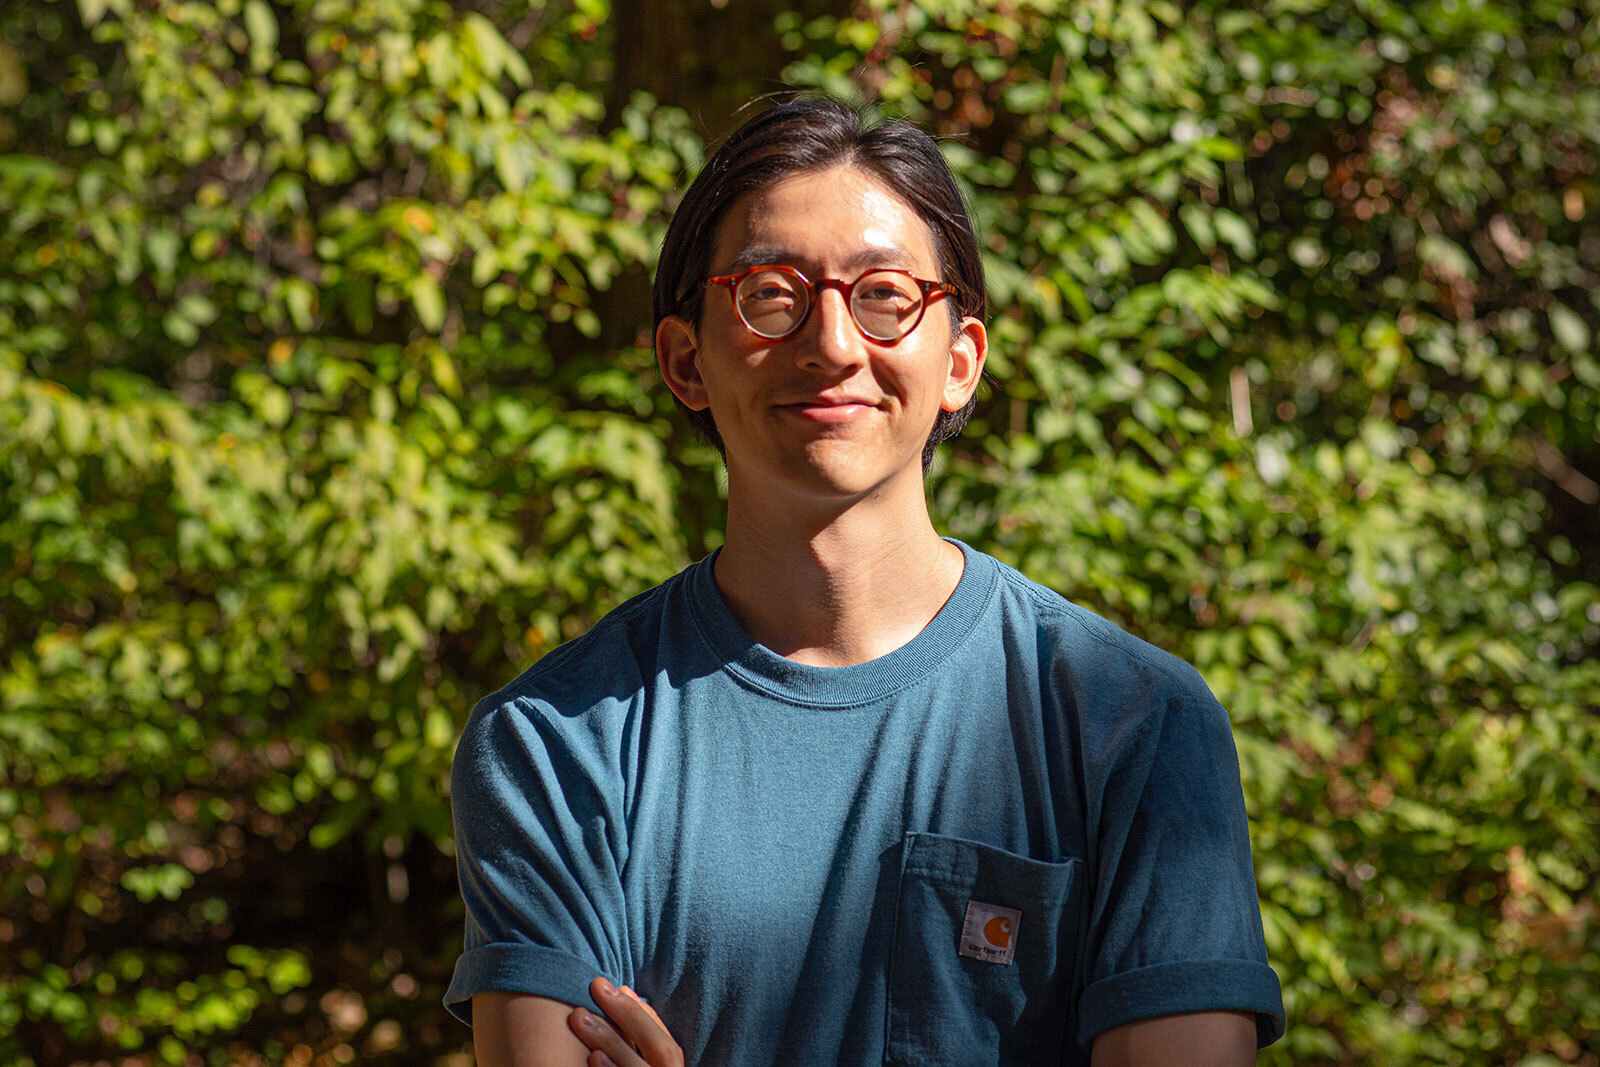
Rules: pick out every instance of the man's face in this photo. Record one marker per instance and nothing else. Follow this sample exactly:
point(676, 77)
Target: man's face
point(824, 411)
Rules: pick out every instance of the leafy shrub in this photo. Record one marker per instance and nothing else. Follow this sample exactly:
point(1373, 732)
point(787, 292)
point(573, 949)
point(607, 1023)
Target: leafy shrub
point(326, 404)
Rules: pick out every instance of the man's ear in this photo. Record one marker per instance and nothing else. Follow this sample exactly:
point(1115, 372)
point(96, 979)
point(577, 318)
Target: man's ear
point(678, 356)
point(968, 351)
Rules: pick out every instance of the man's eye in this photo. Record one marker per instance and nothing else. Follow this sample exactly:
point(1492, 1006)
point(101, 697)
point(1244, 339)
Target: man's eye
point(770, 293)
point(886, 294)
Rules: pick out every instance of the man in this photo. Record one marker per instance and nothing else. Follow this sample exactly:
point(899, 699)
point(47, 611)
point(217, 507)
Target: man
point(846, 791)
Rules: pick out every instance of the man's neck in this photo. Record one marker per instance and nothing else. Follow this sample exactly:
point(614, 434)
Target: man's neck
point(831, 586)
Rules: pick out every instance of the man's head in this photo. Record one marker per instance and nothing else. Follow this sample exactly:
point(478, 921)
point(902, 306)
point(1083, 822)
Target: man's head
point(812, 135)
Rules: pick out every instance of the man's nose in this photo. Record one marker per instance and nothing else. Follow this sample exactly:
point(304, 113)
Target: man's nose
point(831, 338)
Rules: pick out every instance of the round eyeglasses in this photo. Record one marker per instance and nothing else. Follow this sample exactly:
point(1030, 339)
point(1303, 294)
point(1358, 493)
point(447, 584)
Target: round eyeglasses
point(773, 301)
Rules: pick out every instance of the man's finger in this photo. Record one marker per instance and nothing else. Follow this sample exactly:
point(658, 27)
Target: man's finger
point(639, 1023)
point(645, 1004)
point(601, 1038)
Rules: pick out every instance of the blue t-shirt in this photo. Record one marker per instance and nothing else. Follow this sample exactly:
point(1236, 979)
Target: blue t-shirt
point(1019, 830)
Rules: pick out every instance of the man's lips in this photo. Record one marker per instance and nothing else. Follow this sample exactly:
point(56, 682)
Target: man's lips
point(828, 409)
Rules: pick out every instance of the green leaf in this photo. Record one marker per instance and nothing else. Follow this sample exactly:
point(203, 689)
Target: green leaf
point(180, 328)
point(299, 298)
point(197, 309)
point(262, 26)
point(1570, 331)
point(1199, 226)
point(275, 405)
point(1027, 97)
point(444, 372)
point(1235, 231)
point(511, 164)
point(428, 299)
point(1446, 257)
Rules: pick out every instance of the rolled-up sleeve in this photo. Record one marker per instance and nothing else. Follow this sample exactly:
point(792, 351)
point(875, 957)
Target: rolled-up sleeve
point(538, 860)
point(1174, 918)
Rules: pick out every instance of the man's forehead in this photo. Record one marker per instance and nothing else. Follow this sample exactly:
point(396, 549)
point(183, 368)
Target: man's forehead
point(842, 219)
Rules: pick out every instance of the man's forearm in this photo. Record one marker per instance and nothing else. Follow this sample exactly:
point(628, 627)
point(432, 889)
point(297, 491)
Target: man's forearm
point(519, 1030)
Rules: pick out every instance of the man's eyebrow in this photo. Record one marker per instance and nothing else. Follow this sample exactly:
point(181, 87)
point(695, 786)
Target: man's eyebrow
point(888, 256)
point(757, 256)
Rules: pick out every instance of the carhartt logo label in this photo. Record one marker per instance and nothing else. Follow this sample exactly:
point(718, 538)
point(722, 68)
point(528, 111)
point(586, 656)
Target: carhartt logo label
point(989, 932)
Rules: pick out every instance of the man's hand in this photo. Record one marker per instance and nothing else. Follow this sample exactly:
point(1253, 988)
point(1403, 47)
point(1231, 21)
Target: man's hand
point(635, 1037)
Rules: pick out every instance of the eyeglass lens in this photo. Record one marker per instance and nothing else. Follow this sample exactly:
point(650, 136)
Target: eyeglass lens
point(885, 304)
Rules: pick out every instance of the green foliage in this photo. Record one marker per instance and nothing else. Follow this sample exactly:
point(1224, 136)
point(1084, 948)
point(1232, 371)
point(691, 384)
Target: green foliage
point(305, 445)
point(1294, 307)
point(326, 405)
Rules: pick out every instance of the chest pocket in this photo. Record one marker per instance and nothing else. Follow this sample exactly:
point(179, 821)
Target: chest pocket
point(982, 963)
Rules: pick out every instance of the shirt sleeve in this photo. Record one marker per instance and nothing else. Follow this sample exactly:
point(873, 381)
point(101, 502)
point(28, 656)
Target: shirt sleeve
point(1174, 919)
point(538, 859)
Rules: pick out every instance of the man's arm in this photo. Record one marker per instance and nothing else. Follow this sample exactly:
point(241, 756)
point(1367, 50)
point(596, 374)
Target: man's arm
point(1195, 1039)
point(519, 1030)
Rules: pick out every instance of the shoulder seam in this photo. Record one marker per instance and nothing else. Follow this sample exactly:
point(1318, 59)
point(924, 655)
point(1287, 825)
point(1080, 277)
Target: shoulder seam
point(559, 655)
point(1060, 605)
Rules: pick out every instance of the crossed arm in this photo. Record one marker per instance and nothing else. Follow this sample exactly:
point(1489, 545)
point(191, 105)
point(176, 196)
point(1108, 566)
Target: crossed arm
point(517, 1030)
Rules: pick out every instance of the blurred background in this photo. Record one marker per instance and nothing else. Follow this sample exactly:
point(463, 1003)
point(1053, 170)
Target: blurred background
point(327, 406)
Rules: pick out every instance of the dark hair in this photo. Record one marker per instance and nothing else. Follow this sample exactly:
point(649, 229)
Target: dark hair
point(809, 134)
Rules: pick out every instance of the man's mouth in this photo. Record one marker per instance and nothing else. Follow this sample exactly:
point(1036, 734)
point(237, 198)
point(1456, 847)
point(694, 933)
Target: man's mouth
point(828, 409)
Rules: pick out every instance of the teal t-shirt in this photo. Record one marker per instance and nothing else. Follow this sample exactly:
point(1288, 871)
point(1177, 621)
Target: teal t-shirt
point(1021, 829)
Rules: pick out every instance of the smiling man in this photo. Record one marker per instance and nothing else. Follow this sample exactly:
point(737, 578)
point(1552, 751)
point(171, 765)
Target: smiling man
point(848, 792)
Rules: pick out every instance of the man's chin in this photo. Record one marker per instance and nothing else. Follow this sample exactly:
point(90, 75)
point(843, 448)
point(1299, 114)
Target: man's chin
point(825, 476)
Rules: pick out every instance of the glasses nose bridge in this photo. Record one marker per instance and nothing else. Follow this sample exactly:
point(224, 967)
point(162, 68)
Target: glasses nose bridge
point(840, 284)
point(820, 286)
